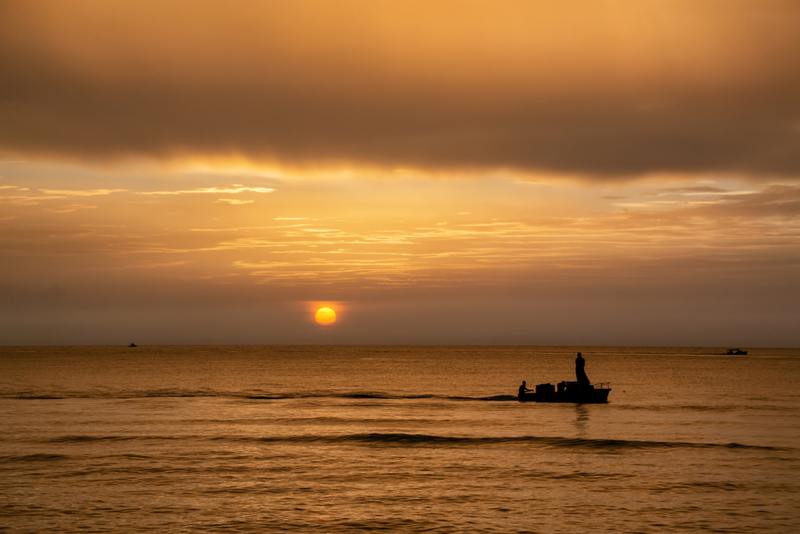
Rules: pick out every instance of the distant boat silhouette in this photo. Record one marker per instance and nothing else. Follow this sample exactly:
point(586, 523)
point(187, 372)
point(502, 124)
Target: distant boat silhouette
point(132, 345)
point(736, 352)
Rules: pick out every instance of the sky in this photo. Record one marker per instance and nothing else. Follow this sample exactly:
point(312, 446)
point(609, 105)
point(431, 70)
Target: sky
point(609, 172)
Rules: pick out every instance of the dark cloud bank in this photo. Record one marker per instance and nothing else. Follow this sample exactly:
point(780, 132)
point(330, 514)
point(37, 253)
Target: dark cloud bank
point(602, 88)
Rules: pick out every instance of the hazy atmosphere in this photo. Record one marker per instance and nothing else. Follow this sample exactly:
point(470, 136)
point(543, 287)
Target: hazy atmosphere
point(455, 172)
point(435, 266)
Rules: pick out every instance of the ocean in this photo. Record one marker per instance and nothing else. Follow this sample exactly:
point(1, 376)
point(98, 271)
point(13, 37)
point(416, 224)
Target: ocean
point(397, 439)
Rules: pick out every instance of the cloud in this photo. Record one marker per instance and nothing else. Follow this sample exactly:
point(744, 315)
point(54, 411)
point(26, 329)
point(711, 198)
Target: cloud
point(233, 201)
point(60, 193)
point(27, 200)
point(694, 190)
point(771, 201)
point(53, 194)
point(782, 201)
point(605, 88)
point(72, 207)
point(213, 190)
point(56, 194)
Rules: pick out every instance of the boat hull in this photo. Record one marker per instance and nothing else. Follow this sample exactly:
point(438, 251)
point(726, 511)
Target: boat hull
point(591, 396)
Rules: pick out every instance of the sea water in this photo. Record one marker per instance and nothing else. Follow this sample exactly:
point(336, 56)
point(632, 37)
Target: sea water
point(399, 439)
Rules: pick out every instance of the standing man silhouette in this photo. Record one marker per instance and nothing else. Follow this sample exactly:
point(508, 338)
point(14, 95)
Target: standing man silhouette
point(583, 380)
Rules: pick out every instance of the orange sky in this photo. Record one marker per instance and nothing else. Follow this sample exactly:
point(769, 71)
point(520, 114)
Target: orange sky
point(441, 171)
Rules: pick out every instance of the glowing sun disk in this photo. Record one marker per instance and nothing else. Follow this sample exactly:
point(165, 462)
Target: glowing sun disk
point(325, 316)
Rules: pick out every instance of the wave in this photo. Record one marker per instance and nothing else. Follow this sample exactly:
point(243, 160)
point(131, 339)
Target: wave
point(39, 457)
point(171, 393)
point(36, 397)
point(383, 396)
point(111, 439)
point(405, 439)
point(715, 408)
point(49, 457)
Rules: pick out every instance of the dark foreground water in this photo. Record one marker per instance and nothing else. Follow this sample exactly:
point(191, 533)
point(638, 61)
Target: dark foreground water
point(400, 439)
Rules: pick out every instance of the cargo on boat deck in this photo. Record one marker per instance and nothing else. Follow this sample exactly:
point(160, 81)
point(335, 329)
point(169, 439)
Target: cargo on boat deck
point(545, 389)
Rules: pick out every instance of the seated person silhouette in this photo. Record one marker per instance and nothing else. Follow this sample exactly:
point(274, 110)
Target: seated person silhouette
point(523, 389)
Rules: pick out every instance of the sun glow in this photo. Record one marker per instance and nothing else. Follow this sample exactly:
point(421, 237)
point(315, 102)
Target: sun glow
point(325, 316)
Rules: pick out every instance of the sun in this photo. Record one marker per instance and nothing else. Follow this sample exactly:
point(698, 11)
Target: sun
point(325, 316)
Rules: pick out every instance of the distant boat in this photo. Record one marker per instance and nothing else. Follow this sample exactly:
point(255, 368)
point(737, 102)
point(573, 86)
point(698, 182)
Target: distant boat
point(736, 352)
point(569, 392)
point(132, 345)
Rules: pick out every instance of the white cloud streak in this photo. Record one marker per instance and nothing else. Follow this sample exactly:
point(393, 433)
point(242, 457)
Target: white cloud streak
point(211, 190)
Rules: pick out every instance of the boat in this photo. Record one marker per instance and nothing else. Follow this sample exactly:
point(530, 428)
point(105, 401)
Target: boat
point(132, 345)
point(569, 392)
point(736, 352)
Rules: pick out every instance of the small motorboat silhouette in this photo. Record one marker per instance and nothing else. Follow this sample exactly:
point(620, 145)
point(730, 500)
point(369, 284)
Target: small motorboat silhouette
point(569, 392)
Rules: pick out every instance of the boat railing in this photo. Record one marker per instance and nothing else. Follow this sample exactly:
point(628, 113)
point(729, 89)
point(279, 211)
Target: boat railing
point(602, 385)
